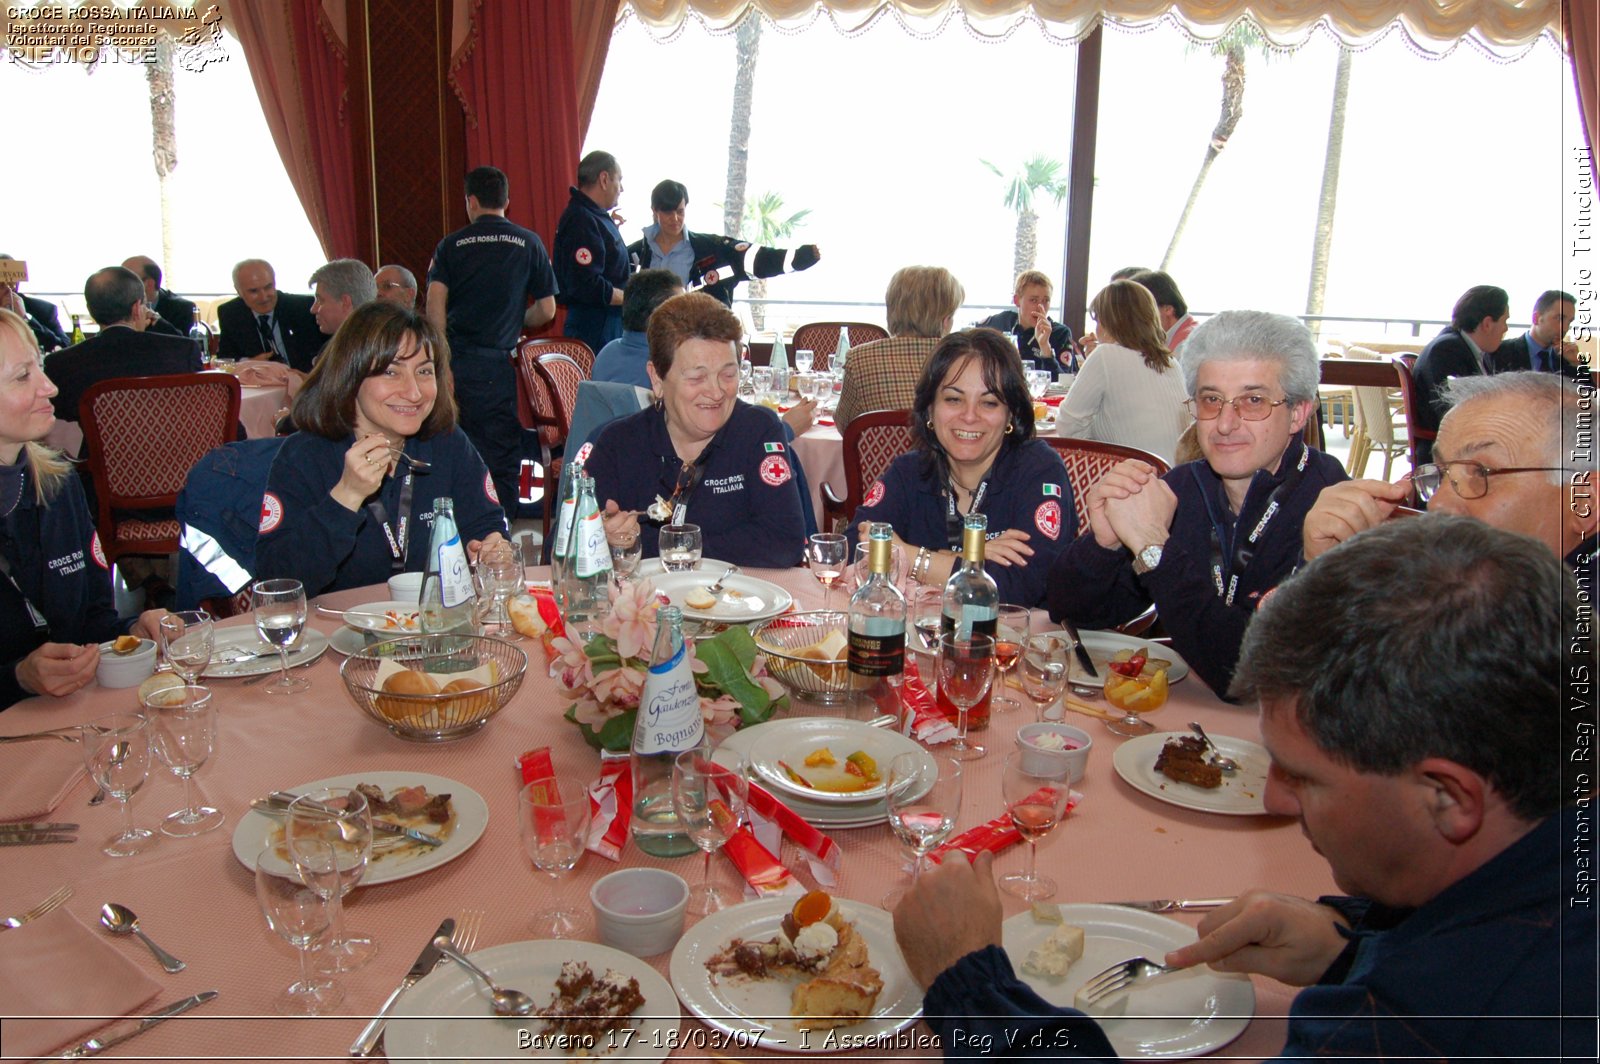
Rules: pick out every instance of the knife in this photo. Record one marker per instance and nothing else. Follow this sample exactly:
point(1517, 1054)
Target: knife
point(1174, 905)
point(367, 1041)
point(278, 804)
point(24, 828)
point(126, 1031)
point(34, 839)
point(1077, 648)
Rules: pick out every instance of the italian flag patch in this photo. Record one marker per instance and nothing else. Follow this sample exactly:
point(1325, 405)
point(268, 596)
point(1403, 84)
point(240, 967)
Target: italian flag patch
point(1052, 489)
point(773, 448)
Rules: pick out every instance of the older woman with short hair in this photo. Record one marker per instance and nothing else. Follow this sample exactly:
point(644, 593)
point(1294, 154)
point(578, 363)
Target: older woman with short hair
point(881, 375)
point(343, 506)
point(715, 462)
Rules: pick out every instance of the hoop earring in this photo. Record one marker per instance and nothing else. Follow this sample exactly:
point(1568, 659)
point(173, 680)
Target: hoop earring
point(1011, 426)
point(929, 423)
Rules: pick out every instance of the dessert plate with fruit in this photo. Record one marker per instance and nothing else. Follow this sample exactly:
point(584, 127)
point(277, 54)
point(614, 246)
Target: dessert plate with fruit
point(743, 599)
point(830, 760)
point(469, 816)
point(1172, 767)
point(830, 816)
point(241, 652)
point(1056, 949)
point(1105, 647)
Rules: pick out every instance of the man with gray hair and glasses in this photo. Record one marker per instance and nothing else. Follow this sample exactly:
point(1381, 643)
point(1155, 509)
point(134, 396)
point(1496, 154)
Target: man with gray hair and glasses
point(397, 285)
point(1205, 542)
point(1515, 450)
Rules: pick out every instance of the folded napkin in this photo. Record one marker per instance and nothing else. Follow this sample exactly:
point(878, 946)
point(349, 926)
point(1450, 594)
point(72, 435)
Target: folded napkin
point(992, 835)
point(57, 970)
point(35, 777)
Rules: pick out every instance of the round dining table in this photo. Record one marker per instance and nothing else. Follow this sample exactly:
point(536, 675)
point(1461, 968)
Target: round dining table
point(196, 899)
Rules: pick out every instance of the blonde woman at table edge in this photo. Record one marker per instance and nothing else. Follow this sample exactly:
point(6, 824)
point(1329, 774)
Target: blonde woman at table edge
point(56, 602)
point(976, 452)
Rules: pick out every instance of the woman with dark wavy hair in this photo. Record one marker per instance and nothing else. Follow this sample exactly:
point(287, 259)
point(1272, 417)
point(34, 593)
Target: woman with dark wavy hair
point(976, 452)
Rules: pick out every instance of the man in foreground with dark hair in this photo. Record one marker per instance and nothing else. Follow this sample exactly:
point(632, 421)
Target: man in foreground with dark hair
point(1437, 784)
point(1462, 349)
point(591, 258)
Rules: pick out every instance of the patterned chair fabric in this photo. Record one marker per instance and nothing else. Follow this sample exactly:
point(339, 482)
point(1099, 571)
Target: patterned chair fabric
point(1088, 460)
point(821, 338)
point(576, 350)
point(871, 442)
point(561, 376)
point(143, 435)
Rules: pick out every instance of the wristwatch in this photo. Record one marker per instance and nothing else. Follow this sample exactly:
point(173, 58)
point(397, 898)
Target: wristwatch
point(1147, 559)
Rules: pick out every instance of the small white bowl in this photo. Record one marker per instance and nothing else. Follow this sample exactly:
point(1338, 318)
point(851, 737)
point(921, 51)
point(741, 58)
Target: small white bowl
point(640, 910)
point(405, 587)
point(1043, 762)
point(126, 670)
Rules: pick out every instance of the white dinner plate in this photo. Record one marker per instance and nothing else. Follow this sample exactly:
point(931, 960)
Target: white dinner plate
point(652, 567)
point(1102, 645)
point(446, 1016)
point(736, 747)
point(391, 617)
point(1181, 1015)
point(232, 642)
point(256, 831)
point(792, 739)
point(1242, 794)
point(744, 1007)
point(348, 640)
point(744, 599)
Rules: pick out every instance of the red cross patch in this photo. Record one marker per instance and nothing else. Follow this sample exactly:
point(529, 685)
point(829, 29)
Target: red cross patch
point(774, 470)
point(97, 552)
point(488, 489)
point(584, 256)
point(875, 495)
point(271, 512)
point(583, 452)
point(1047, 518)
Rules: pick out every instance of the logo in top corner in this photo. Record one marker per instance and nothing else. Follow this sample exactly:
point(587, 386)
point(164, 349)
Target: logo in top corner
point(584, 256)
point(97, 552)
point(271, 512)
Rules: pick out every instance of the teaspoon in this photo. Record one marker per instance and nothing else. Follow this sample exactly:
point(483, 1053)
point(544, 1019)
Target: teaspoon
point(505, 1002)
point(1227, 765)
point(120, 920)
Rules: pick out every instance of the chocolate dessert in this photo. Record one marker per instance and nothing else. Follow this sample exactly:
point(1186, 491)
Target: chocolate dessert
point(1184, 759)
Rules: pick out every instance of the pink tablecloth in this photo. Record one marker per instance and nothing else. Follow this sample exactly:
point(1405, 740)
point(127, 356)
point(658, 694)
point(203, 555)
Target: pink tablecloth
point(258, 408)
point(821, 454)
point(194, 898)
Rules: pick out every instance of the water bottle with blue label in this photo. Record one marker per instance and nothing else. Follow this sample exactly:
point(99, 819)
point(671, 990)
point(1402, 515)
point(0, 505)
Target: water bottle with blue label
point(668, 723)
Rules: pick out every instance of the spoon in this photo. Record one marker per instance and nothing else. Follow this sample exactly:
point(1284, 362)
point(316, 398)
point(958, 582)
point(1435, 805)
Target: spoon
point(120, 920)
point(716, 588)
point(1227, 765)
point(506, 1002)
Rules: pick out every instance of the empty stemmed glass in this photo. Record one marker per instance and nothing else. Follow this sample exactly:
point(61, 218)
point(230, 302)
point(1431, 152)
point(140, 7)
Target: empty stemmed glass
point(711, 801)
point(116, 751)
point(280, 612)
point(333, 825)
point(1011, 631)
point(923, 807)
point(301, 914)
point(625, 559)
point(804, 359)
point(553, 818)
point(500, 569)
point(827, 553)
point(187, 640)
point(1045, 661)
point(1036, 802)
point(680, 547)
point(183, 729)
point(966, 670)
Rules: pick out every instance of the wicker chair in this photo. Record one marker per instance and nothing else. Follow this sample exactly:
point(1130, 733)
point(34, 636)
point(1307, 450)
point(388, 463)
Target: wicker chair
point(576, 350)
point(871, 442)
point(821, 338)
point(143, 434)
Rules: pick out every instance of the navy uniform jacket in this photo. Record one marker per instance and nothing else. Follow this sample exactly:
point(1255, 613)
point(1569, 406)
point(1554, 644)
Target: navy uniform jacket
point(1096, 588)
point(56, 559)
point(746, 260)
point(1028, 343)
point(45, 321)
point(1028, 490)
point(591, 259)
point(306, 535)
point(745, 499)
point(1446, 355)
point(492, 268)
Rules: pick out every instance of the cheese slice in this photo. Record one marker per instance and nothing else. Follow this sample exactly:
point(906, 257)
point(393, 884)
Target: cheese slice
point(1055, 954)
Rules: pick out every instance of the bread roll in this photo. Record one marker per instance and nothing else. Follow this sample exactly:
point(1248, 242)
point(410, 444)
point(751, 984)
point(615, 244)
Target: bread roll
point(406, 682)
point(159, 681)
point(467, 704)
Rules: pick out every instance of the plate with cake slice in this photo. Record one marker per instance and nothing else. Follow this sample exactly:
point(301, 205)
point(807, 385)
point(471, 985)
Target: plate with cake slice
point(821, 975)
point(1171, 767)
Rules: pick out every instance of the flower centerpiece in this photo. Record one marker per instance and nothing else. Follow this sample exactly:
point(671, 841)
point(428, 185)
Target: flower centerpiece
point(605, 676)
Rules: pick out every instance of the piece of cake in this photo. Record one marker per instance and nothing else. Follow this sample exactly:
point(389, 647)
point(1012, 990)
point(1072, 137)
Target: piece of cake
point(1184, 759)
point(1055, 954)
point(846, 991)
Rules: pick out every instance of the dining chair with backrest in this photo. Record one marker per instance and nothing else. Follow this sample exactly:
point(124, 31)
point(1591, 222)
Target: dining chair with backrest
point(1375, 421)
point(1409, 398)
point(536, 409)
point(821, 338)
point(143, 434)
point(576, 350)
point(871, 441)
point(559, 377)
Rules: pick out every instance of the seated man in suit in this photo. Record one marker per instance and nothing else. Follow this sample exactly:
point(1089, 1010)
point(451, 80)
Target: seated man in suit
point(265, 323)
point(398, 285)
point(1544, 347)
point(40, 314)
point(175, 311)
point(1477, 325)
point(340, 287)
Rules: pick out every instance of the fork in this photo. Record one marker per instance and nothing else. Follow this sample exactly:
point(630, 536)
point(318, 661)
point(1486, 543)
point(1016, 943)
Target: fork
point(1119, 977)
point(468, 924)
point(61, 895)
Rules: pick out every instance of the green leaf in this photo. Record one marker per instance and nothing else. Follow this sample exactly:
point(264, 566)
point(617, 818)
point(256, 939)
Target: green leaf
point(614, 734)
point(743, 645)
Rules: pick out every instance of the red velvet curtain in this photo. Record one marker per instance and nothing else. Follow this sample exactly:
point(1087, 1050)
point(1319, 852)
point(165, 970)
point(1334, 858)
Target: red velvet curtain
point(1582, 26)
point(323, 88)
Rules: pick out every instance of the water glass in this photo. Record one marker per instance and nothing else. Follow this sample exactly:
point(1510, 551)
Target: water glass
point(827, 553)
point(187, 641)
point(804, 359)
point(280, 612)
point(966, 671)
point(711, 801)
point(625, 559)
point(680, 548)
point(301, 915)
point(501, 571)
point(116, 751)
point(553, 818)
point(1045, 661)
point(761, 381)
point(183, 729)
point(1036, 802)
point(328, 834)
point(922, 811)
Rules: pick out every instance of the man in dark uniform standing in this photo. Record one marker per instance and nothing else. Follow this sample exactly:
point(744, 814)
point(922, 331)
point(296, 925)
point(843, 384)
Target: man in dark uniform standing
point(591, 257)
point(487, 282)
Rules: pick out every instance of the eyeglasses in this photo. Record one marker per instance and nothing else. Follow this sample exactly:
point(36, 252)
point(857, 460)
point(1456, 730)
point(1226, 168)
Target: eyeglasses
point(393, 284)
point(1469, 479)
point(1252, 406)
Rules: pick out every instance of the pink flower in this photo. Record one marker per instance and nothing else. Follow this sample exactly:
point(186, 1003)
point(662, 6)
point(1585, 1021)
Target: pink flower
point(592, 713)
point(631, 624)
point(619, 687)
point(571, 668)
point(721, 717)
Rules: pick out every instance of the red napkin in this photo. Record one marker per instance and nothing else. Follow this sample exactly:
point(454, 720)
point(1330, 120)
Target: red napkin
point(755, 859)
point(922, 719)
point(610, 798)
point(35, 777)
point(993, 835)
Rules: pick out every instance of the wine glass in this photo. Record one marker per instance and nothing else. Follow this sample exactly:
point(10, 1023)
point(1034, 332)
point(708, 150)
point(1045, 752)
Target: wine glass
point(1036, 802)
point(187, 640)
point(280, 610)
point(500, 568)
point(553, 818)
point(804, 359)
point(711, 801)
point(862, 567)
point(301, 915)
point(625, 559)
point(746, 370)
point(183, 729)
point(1011, 631)
point(1045, 661)
point(966, 670)
point(827, 551)
point(923, 808)
point(760, 383)
point(116, 751)
point(333, 825)
point(680, 547)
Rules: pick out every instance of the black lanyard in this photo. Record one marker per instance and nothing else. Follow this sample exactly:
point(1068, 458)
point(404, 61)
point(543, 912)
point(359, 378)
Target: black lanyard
point(688, 479)
point(952, 519)
point(1226, 581)
point(398, 539)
